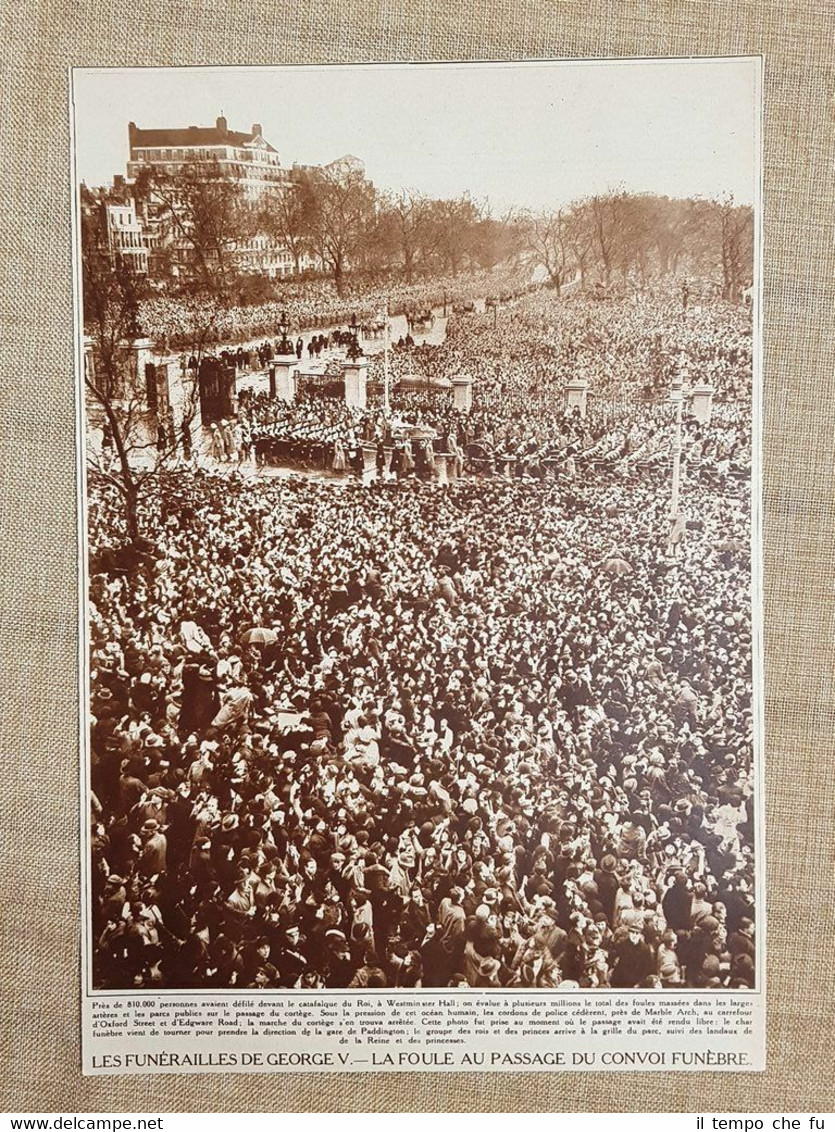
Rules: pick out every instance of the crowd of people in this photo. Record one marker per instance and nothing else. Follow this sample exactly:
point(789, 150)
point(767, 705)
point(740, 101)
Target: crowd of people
point(628, 349)
point(325, 434)
point(315, 432)
point(256, 356)
point(315, 303)
point(520, 367)
point(496, 733)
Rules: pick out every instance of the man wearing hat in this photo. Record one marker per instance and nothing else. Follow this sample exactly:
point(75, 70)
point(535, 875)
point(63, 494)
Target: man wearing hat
point(633, 960)
point(337, 964)
point(240, 903)
point(152, 860)
point(226, 847)
point(200, 867)
point(678, 903)
point(113, 900)
point(607, 884)
point(200, 699)
point(131, 788)
point(741, 942)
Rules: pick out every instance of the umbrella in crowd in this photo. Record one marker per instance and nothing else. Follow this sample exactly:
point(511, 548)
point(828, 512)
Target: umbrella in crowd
point(259, 636)
point(617, 566)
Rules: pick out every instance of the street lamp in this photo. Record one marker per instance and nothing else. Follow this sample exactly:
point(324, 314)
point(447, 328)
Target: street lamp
point(677, 398)
point(386, 398)
point(285, 345)
point(354, 348)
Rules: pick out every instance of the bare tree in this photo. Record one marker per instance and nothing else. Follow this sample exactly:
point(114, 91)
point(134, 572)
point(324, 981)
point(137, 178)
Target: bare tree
point(342, 215)
point(287, 216)
point(203, 216)
point(410, 213)
point(604, 225)
point(111, 292)
point(737, 242)
point(579, 236)
point(454, 222)
point(548, 240)
point(495, 240)
point(624, 233)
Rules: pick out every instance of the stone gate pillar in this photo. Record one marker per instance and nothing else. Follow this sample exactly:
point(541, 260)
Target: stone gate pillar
point(576, 396)
point(355, 377)
point(283, 377)
point(462, 393)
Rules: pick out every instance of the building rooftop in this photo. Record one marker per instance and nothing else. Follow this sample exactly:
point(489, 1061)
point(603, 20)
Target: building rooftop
point(218, 134)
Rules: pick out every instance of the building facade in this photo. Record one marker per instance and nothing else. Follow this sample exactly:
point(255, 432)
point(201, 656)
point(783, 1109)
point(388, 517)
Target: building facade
point(246, 159)
point(125, 235)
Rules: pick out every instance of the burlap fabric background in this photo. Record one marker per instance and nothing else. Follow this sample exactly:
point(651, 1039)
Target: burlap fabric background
point(38, 816)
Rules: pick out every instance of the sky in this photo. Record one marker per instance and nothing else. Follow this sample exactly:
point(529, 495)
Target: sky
point(529, 136)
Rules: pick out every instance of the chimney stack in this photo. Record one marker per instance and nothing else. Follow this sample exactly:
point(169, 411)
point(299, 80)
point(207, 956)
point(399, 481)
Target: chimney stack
point(221, 124)
point(256, 130)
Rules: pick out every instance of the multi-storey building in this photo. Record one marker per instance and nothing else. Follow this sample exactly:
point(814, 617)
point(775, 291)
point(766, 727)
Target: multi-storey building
point(111, 215)
point(247, 159)
point(125, 235)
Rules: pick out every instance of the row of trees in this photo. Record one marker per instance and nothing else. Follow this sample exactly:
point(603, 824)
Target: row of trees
point(625, 236)
point(334, 219)
point(337, 217)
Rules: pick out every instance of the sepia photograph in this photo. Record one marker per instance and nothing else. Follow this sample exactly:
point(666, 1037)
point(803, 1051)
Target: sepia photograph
point(419, 462)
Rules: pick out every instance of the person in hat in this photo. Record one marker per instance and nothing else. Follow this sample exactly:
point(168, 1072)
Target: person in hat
point(632, 960)
point(338, 966)
point(200, 701)
point(678, 903)
point(741, 942)
point(131, 788)
point(152, 859)
point(113, 900)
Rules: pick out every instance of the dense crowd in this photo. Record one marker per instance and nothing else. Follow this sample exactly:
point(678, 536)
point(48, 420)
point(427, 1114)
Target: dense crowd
point(314, 432)
point(396, 734)
point(323, 433)
point(519, 369)
point(175, 324)
point(627, 349)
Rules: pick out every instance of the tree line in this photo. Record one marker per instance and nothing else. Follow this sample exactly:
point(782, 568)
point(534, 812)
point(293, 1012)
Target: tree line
point(620, 236)
point(336, 216)
point(332, 221)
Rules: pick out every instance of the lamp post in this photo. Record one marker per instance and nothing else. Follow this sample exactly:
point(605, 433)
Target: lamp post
point(354, 348)
point(285, 346)
point(677, 398)
point(386, 404)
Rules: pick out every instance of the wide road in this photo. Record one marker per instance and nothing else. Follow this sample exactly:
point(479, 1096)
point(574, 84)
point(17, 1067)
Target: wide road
point(259, 379)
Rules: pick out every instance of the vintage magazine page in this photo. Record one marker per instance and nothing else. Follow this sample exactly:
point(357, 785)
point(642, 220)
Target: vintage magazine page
point(419, 415)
